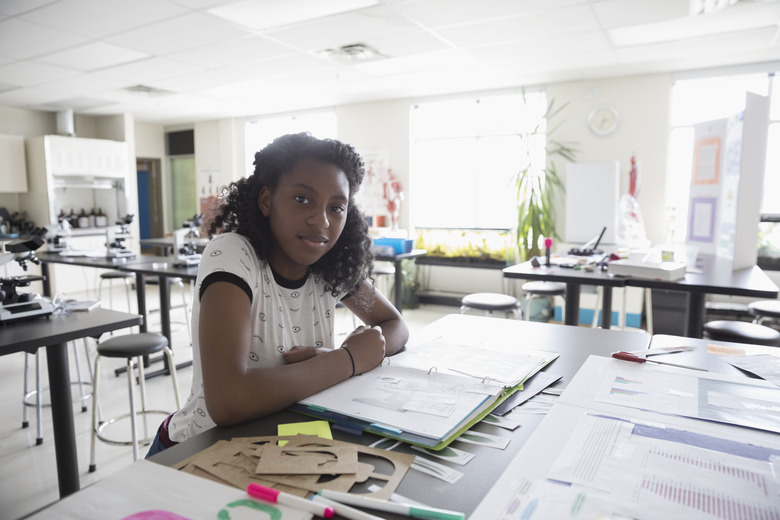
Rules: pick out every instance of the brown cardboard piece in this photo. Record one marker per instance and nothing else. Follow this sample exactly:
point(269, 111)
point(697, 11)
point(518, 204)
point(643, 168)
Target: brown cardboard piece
point(235, 462)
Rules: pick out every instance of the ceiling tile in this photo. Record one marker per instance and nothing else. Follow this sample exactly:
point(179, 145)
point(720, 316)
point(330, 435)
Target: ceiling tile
point(175, 35)
point(345, 29)
point(527, 27)
point(16, 7)
point(740, 17)
point(21, 39)
point(92, 56)
point(243, 50)
point(266, 14)
point(28, 73)
point(444, 13)
point(96, 19)
point(620, 13)
point(151, 69)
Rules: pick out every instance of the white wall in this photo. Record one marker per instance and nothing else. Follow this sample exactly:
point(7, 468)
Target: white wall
point(643, 102)
point(380, 125)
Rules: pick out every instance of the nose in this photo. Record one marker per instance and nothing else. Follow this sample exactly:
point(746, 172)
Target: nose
point(319, 217)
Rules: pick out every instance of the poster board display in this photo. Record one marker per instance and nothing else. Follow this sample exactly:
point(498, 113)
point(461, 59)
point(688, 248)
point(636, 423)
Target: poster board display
point(726, 183)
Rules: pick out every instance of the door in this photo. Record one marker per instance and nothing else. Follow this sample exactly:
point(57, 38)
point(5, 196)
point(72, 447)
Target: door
point(150, 207)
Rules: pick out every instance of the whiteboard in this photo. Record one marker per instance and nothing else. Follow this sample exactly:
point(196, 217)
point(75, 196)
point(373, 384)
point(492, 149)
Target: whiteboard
point(592, 199)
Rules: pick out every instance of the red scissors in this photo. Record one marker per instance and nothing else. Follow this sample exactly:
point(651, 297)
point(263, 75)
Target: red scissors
point(628, 356)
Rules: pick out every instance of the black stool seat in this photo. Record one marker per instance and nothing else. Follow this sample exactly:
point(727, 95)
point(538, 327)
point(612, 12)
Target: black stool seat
point(741, 332)
point(109, 275)
point(545, 288)
point(490, 301)
point(765, 309)
point(132, 345)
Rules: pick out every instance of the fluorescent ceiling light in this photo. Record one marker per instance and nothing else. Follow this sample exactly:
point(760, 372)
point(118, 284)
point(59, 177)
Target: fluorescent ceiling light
point(266, 14)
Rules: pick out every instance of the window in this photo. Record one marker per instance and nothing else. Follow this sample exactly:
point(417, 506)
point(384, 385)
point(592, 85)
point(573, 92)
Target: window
point(464, 157)
point(705, 99)
point(259, 133)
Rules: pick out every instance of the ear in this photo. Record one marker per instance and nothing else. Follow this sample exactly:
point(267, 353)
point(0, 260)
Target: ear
point(264, 201)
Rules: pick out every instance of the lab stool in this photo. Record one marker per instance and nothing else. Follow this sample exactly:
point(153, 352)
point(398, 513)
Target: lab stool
point(381, 273)
point(133, 347)
point(175, 280)
point(37, 393)
point(764, 310)
point(741, 332)
point(542, 290)
point(110, 276)
point(491, 302)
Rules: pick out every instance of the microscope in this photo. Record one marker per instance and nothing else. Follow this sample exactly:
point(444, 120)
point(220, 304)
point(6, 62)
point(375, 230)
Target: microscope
point(184, 248)
point(15, 306)
point(115, 247)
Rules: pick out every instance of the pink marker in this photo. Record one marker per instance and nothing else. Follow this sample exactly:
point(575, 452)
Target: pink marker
point(279, 497)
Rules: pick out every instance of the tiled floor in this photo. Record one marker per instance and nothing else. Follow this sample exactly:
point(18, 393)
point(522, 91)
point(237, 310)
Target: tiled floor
point(28, 477)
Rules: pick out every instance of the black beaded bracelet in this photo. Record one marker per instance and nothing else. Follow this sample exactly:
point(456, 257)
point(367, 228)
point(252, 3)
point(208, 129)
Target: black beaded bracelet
point(351, 359)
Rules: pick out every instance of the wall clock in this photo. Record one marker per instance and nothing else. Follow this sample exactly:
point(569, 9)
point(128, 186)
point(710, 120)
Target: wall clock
point(603, 120)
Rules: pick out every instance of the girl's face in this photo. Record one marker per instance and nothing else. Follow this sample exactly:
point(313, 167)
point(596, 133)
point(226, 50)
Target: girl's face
point(307, 213)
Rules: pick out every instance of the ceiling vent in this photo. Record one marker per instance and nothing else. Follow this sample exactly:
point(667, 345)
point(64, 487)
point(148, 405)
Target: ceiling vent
point(354, 53)
point(148, 91)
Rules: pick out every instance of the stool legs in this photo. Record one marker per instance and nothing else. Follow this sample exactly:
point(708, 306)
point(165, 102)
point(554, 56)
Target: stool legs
point(133, 425)
point(136, 441)
point(95, 389)
point(38, 391)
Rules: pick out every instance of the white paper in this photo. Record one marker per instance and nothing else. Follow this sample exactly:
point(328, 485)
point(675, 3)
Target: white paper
point(147, 486)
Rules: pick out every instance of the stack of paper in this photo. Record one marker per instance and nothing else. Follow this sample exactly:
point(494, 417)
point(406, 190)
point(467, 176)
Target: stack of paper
point(666, 271)
point(429, 394)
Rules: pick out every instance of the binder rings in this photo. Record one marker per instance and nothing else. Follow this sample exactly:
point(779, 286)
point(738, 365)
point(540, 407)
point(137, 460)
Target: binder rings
point(422, 404)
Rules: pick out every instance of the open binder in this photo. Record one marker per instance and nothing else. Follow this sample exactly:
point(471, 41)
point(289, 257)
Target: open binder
point(409, 399)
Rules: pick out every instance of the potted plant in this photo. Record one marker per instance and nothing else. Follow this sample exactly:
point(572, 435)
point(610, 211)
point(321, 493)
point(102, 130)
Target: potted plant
point(538, 185)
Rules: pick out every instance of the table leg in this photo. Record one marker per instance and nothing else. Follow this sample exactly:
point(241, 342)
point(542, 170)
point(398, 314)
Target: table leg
point(165, 310)
point(62, 419)
point(399, 286)
point(606, 307)
point(572, 305)
point(695, 315)
point(46, 282)
point(140, 294)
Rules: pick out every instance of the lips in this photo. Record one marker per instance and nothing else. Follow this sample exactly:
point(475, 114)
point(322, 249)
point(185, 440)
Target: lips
point(316, 240)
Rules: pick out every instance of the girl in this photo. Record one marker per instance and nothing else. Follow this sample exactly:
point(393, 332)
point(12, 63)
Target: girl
point(292, 244)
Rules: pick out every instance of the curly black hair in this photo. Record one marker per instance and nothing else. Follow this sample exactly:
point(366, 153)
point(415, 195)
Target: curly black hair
point(351, 259)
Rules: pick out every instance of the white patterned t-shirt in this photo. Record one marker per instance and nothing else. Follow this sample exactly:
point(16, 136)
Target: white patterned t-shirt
point(284, 317)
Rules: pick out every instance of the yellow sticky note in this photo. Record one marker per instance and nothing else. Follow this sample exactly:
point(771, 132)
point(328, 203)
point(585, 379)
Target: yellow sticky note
point(318, 428)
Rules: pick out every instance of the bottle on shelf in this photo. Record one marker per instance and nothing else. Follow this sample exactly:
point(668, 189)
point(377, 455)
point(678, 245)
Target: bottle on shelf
point(101, 220)
point(83, 219)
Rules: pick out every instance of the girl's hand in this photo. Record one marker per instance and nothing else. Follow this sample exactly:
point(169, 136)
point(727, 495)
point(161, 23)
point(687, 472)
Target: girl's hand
point(298, 354)
point(367, 346)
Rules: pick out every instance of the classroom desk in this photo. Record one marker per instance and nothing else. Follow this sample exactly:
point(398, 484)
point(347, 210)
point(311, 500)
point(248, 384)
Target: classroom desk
point(54, 333)
point(162, 267)
point(574, 345)
point(398, 277)
point(712, 275)
point(574, 280)
point(703, 492)
point(166, 243)
point(141, 266)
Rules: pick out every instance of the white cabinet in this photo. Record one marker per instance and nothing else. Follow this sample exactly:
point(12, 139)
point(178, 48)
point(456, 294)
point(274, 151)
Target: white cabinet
point(71, 173)
point(13, 167)
point(86, 157)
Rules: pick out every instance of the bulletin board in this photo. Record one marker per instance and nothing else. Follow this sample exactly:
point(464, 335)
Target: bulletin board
point(592, 201)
